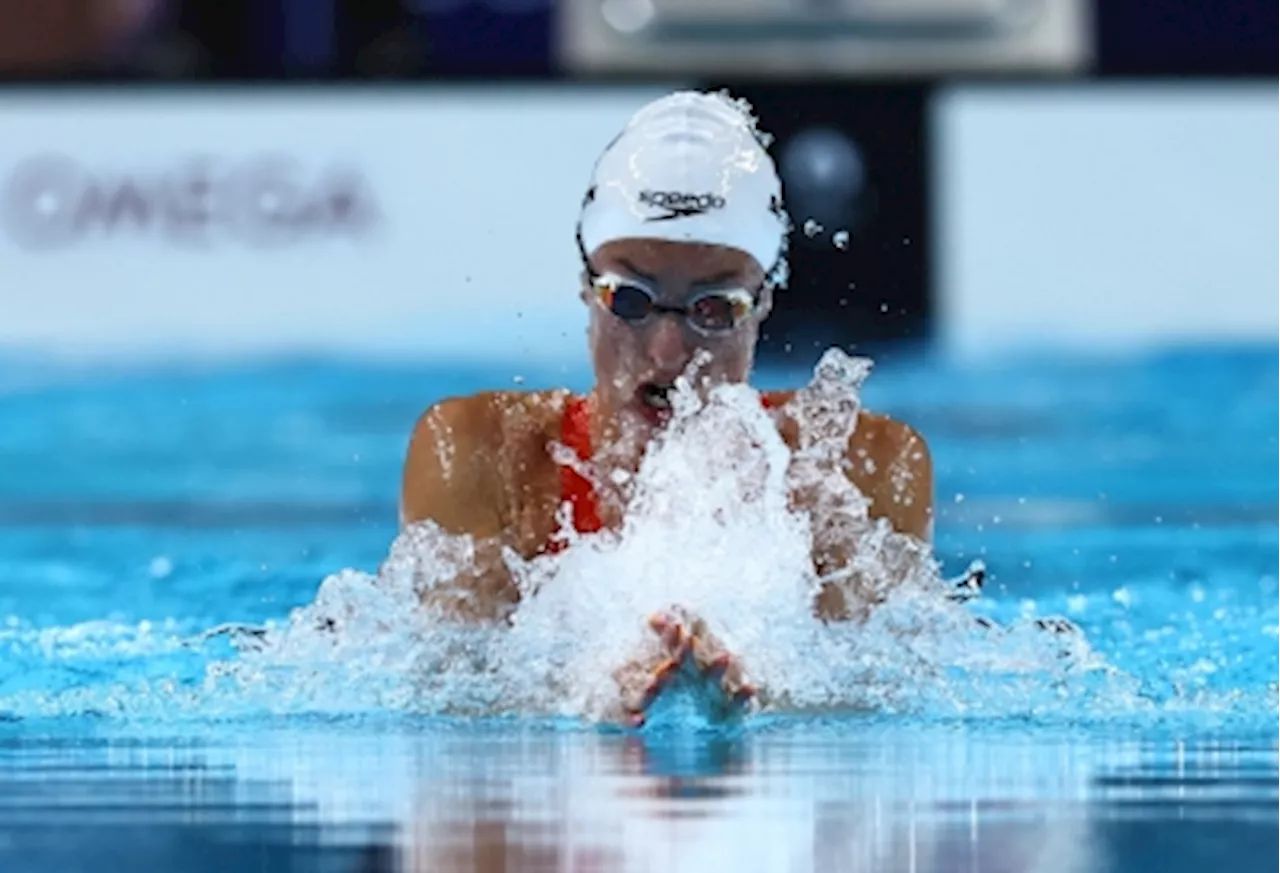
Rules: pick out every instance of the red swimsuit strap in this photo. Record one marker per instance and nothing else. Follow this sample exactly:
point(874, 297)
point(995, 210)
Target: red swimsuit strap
point(575, 432)
point(576, 489)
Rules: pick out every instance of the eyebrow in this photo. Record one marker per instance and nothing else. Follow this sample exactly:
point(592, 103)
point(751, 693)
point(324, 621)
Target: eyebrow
point(634, 270)
point(718, 279)
point(721, 278)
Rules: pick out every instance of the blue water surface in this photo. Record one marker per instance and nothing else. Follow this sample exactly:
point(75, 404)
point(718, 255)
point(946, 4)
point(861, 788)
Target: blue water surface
point(1136, 495)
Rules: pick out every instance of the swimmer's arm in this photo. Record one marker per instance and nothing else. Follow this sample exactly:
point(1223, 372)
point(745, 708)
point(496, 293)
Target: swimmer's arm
point(890, 463)
point(451, 478)
point(904, 492)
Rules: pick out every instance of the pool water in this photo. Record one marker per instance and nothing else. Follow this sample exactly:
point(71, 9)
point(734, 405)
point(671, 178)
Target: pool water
point(1134, 495)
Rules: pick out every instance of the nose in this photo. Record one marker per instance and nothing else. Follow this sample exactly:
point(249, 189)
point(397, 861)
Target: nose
point(666, 346)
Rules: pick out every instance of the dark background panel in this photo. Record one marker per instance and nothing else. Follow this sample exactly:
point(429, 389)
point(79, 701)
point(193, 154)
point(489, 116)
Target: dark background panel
point(486, 37)
point(854, 160)
point(352, 39)
point(1186, 37)
point(360, 39)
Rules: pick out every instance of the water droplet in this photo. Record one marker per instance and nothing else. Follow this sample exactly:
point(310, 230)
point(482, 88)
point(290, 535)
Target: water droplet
point(519, 380)
point(811, 228)
point(959, 497)
point(884, 307)
point(906, 240)
point(844, 301)
point(840, 239)
point(160, 567)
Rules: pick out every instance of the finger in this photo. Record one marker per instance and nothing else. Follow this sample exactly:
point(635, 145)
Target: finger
point(635, 700)
point(639, 683)
point(660, 621)
point(734, 684)
point(672, 632)
point(715, 667)
point(708, 652)
point(664, 672)
point(636, 696)
point(665, 618)
point(626, 716)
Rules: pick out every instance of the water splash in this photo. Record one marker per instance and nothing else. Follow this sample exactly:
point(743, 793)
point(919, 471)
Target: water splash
point(364, 649)
point(711, 525)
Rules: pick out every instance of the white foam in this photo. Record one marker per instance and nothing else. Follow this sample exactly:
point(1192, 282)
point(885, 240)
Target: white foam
point(709, 526)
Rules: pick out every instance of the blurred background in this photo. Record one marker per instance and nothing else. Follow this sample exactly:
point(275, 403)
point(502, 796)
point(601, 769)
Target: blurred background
point(244, 244)
point(224, 177)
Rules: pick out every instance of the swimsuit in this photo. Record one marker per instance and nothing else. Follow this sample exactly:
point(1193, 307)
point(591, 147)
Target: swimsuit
point(576, 489)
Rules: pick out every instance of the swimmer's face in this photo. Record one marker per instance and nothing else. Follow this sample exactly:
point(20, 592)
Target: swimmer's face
point(637, 362)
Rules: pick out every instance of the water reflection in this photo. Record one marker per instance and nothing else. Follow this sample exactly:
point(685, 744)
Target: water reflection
point(775, 804)
point(452, 798)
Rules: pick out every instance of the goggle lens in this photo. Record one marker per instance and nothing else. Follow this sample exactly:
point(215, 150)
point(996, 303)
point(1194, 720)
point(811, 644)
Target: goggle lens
point(712, 312)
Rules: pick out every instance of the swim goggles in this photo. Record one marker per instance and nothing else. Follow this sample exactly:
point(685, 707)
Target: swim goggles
point(715, 312)
point(710, 313)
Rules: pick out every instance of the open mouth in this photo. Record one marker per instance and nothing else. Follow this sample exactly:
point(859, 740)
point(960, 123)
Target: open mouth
point(656, 394)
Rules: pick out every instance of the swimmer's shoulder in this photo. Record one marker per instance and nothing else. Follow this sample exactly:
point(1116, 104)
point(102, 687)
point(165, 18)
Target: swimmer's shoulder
point(877, 435)
point(491, 418)
point(889, 461)
point(471, 445)
point(881, 443)
point(890, 438)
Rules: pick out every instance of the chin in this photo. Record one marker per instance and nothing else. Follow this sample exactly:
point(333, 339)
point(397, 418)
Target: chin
point(653, 417)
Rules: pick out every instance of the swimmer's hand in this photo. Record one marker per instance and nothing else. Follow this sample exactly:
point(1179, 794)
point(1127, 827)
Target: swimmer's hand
point(684, 643)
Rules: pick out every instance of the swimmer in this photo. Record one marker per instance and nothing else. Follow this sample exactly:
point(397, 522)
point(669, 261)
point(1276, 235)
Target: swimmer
point(682, 236)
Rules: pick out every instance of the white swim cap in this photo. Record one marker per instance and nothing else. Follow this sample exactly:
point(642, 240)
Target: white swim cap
point(689, 167)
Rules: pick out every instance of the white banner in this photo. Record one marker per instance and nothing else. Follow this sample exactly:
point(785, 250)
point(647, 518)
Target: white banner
point(224, 223)
point(1106, 217)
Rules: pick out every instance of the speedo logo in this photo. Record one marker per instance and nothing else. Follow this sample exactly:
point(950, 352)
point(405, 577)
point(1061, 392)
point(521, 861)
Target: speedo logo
point(677, 204)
